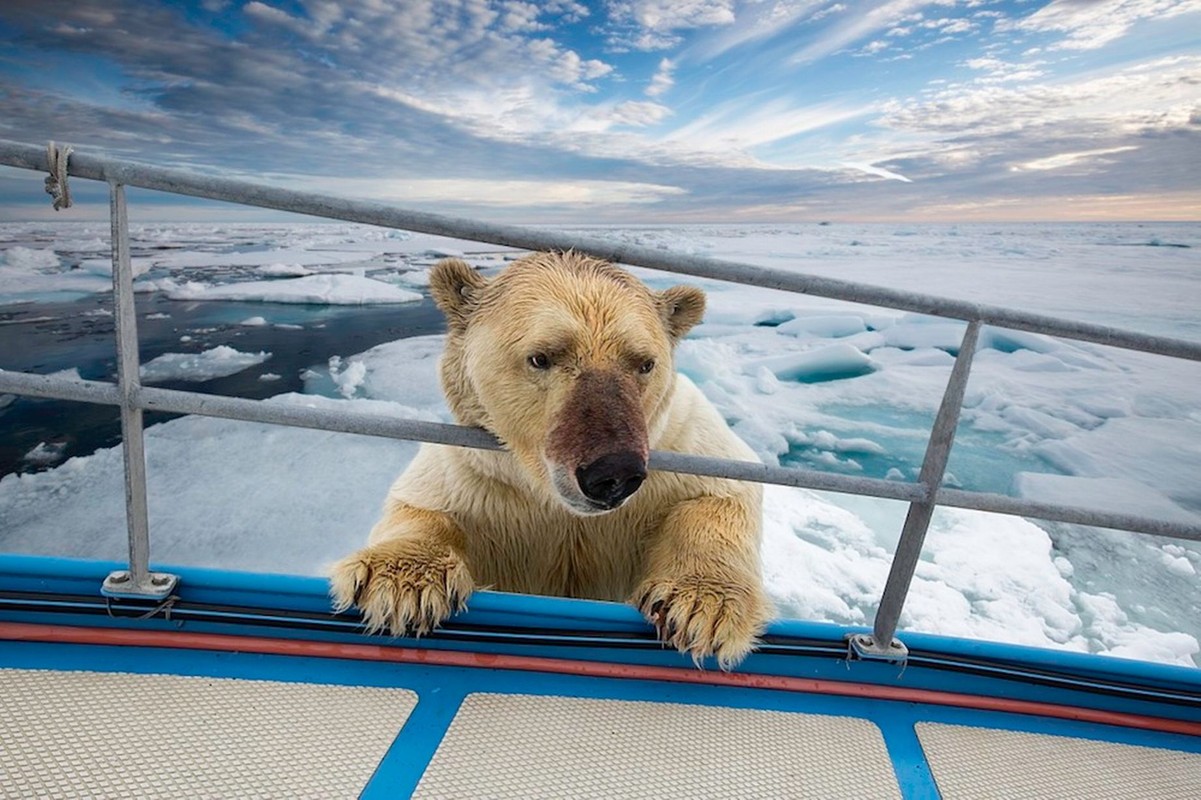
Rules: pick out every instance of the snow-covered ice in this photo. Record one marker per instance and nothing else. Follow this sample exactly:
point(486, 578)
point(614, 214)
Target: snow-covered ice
point(45, 453)
point(284, 270)
point(290, 259)
point(806, 381)
point(28, 274)
point(316, 289)
point(213, 363)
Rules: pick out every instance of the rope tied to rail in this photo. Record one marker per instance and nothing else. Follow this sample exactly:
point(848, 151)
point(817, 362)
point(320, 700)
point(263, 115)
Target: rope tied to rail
point(56, 183)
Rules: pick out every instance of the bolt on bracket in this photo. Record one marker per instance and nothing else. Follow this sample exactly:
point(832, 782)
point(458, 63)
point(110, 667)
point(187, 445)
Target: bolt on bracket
point(864, 647)
point(156, 586)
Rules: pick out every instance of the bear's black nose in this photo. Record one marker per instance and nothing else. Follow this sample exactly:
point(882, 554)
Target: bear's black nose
point(612, 478)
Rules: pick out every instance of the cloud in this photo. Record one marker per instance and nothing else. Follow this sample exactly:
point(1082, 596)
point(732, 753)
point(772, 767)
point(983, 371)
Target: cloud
point(566, 66)
point(855, 28)
point(1091, 24)
point(566, 10)
point(759, 21)
point(872, 47)
point(350, 76)
point(1061, 160)
point(998, 71)
point(1156, 94)
point(480, 191)
point(990, 145)
point(737, 127)
point(655, 24)
point(276, 16)
point(880, 172)
point(521, 17)
point(949, 25)
point(662, 79)
point(836, 8)
point(671, 15)
point(637, 113)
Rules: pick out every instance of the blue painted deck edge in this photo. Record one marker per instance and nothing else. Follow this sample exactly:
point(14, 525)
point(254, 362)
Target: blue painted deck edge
point(28, 573)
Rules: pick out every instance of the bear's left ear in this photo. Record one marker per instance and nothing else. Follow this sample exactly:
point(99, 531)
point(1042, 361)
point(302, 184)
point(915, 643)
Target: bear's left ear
point(681, 307)
point(453, 283)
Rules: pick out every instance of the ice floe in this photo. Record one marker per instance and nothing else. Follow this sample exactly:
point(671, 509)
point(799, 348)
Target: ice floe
point(204, 366)
point(314, 289)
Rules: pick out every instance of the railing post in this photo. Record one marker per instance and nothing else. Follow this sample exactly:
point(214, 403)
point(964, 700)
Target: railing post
point(881, 644)
point(138, 580)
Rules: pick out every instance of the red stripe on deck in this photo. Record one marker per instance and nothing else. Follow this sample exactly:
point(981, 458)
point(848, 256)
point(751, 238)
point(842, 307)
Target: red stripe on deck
point(596, 669)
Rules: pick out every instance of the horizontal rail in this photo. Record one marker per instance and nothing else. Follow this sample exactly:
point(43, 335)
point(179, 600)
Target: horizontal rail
point(1056, 512)
point(266, 411)
point(192, 184)
point(50, 387)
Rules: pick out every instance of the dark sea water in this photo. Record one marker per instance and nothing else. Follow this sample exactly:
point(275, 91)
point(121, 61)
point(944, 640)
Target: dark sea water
point(49, 337)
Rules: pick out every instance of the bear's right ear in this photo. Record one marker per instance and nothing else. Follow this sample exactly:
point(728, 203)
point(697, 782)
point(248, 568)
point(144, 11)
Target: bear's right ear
point(681, 307)
point(454, 284)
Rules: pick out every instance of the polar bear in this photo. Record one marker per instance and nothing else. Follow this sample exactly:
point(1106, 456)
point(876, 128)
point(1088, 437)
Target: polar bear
point(568, 360)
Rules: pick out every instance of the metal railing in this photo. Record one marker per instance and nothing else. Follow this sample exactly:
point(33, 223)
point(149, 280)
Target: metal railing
point(923, 496)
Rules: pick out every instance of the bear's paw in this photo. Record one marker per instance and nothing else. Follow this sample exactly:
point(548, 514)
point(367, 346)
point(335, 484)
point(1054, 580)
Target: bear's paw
point(702, 617)
point(402, 586)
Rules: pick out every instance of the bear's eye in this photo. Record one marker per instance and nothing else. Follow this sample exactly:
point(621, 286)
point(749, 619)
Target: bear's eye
point(539, 361)
point(646, 366)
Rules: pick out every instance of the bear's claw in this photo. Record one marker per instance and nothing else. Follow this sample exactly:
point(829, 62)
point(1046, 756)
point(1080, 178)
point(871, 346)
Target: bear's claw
point(702, 619)
point(402, 587)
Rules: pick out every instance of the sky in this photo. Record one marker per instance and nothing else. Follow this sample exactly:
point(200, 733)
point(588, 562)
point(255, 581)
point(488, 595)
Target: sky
point(626, 111)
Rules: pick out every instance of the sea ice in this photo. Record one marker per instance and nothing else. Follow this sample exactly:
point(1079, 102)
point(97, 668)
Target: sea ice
point(825, 326)
point(104, 266)
point(27, 258)
point(833, 362)
point(349, 376)
point(1113, 495)
point(417, 278)
point(912, 333)
point(284, 270)
point(45, 453)
point(215, 363)
point(28, 274)
point(256, 258)
point(312, 289)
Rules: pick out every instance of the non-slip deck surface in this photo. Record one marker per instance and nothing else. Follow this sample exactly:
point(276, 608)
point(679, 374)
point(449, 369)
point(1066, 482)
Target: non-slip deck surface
point(92, 734)
point(971, 763)
point(525, 746)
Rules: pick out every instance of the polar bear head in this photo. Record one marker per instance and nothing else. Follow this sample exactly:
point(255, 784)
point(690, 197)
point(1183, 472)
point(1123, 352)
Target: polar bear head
point(567, 359)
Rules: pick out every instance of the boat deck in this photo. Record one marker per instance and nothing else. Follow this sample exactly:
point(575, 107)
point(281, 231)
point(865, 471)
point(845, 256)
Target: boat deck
point(89, 720)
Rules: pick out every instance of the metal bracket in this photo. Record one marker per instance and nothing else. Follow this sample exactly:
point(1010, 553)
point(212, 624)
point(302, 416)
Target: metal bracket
point(122, 585)
point(863, 647)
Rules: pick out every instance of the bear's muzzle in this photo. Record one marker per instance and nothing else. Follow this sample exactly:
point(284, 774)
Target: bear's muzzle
point(599, 442)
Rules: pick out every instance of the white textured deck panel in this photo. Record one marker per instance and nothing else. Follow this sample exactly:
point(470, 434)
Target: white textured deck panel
point(93, 734)
point(523, 746)
point(982, 763)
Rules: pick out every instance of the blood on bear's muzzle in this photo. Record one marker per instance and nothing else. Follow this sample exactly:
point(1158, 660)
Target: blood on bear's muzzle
point(610, 479)
point(598, 447)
